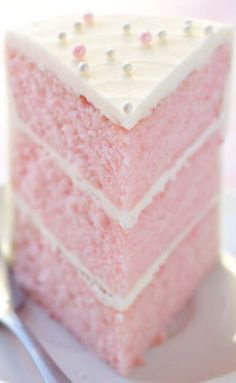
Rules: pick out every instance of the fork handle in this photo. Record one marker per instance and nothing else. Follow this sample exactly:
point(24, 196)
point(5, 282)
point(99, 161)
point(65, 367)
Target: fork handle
point(46, 366)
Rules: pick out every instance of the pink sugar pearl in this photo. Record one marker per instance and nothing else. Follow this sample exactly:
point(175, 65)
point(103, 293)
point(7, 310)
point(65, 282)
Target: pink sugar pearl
point(88, 18)
point(145, 37)
point(79, 51)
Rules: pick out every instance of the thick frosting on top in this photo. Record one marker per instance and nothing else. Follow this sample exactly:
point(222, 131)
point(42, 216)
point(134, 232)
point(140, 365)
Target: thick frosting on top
point(121, 70)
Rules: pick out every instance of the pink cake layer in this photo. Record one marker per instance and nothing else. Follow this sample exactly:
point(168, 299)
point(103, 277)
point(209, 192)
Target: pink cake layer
point(116, 256)
point(123, 164)
point(119, 338)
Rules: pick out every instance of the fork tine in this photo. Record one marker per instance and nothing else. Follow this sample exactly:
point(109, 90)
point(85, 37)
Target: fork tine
point(6, 223)
point(5, 291)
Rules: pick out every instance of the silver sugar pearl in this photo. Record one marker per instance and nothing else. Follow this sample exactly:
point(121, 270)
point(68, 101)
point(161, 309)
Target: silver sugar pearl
point(83, 67)
point(127, 67)
point(110, 53)
point(127, 107)
point(208, 30)
point(62, 36)
point(78, 26)
point(126, 27)
point(162, 34)
point(188, 22)
point(188, 29)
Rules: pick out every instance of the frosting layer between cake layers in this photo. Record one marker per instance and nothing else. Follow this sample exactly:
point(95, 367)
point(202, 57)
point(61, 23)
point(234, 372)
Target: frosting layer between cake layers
point(119, 303)
point(116, 256)
point(120, 338)
point(126, 219)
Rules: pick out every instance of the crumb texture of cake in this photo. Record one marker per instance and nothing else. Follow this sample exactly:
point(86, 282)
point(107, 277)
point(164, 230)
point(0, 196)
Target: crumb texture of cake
point(115, 256)
point(115, 166)
point(121, 338)
point(105, 154)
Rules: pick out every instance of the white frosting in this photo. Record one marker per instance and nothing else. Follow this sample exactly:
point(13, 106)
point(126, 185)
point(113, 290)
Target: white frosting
point(157, 69)
point(127, 219)
point(119, 303)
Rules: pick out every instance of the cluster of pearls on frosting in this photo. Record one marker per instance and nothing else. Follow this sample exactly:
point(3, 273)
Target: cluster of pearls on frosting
point(188, 28)
point(79, 50)
point(145, 38)
point(88, 19)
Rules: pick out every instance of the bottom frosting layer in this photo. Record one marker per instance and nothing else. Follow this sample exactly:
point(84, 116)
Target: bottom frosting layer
point(119, 338)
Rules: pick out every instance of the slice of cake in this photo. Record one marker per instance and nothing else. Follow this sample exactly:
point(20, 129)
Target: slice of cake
point(116, 128)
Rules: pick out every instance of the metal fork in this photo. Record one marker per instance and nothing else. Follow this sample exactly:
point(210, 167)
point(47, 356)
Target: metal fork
point(49, 371)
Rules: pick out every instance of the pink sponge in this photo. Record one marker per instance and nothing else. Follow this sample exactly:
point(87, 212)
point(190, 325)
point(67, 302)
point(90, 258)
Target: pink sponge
point(114, 255)
point(119, 337)
point(122, 164)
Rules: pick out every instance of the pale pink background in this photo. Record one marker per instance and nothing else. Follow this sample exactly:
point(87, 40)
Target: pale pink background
point(13, 12)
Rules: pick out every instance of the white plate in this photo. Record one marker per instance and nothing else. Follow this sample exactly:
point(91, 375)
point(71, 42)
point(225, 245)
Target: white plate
point(202, 349)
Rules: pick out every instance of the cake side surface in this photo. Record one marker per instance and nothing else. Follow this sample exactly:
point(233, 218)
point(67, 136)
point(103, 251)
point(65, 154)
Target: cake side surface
point(115, 256)
point(119, 337)
point(121, 165)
